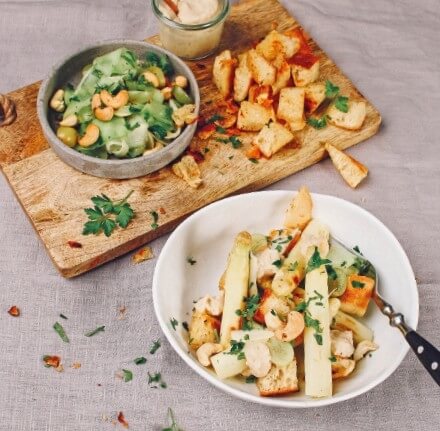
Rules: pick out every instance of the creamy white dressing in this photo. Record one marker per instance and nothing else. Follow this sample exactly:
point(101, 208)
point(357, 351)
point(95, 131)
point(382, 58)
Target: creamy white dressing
point(192, 11)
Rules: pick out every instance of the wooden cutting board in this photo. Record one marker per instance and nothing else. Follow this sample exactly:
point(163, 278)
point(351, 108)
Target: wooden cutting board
point(54, 195)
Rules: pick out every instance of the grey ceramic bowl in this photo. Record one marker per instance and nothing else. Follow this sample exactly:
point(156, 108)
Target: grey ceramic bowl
point(69, 70)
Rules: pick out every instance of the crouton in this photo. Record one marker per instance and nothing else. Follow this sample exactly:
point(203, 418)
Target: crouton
point(262, 71)
point(299, 212)
point(259, 94)
point(188, 170)
point(357, 294)
point(275, 43)
point(314, 96)
point(279, 381)
point(242, 79)
point(351, 120)
point(203, 328)
point(223, 72)
point(283, 75)
point(269, 301)
point(272, 138)
point(350, 169)
point(303, 76)
point(252, 116)
point(342, 367)
point(291, 107)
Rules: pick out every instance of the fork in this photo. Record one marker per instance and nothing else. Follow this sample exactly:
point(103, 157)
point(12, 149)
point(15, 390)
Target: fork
point(427, 354)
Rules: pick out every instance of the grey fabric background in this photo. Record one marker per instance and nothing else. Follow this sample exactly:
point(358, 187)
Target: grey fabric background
point(391, 50)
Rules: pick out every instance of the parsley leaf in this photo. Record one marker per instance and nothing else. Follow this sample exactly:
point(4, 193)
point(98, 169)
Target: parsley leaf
point(357, 250)
point(357, 284)
point(317, 123)
point(301, 306)
point(341, 103)
point(63, 316)
point(141, 360)
point(174, 426)
point(95, 331)
point(278, 263)
point(332, 358)
point(236, 349)
point(191, 261)
point(156, 378)
point(251, 306)
point(292, 267)
point(332, 275)
point(236, 143)
point(185, 326)
point(60, 331)
point(174, 323)
point(128, 375)
point(220, 129)
point(214, 118)
point(155, 217)
point(318, 338)
point(315, 261)
point(331, 90)
point(155, 347)
point(251, 379)
point(252, 160)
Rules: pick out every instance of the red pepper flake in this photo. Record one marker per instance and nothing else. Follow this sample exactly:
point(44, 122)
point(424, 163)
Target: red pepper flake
point(14, 311)
point(162, 210)
point(74, 244)
point(121, 420)
point(52, 361)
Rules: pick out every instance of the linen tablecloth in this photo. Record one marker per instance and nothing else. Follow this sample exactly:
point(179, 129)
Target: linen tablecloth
point(391, 51)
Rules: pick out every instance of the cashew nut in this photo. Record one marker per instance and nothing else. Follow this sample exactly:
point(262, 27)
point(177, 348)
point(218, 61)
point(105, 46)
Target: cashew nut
point(70, 121)
point(57, 101)
point(211, 305)
point(342, 367)
point(257, 356)
point(181, 81)
point(151, 78)
point(333, 305)
point(90, 137)
point(341, 343)
point(191, 118)
point(272, 321)
point(104, 114)
point(293, 328)
point(167, 92)
point(114, 102)
point(363, 348)
point(96, 101)
point(179, 115)
point(205, 351)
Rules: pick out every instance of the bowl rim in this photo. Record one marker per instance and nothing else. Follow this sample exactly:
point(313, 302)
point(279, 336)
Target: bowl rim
point(274, 401)
point(44, 122)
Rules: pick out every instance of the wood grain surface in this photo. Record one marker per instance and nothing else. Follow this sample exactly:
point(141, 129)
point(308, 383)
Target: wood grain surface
point(54, 195)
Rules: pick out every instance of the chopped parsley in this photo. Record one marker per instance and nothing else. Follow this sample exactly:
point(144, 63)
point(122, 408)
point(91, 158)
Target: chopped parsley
point(236, 349)
point(214, 118)
point(155, 217)
point(331, 90)
point(156, 378)
point(95, 331)
point(277, 263)
point(127, 375)
point(191, 261)
point(174, 323)
point(220, 129)
point(185, 326)
point(252, 160)
point(251, 306)
point(315, 261)
point(235, 142)
point(206, 150)
point(251, 379)
point(279, 248)
point(60, 331)
point(273, 312)
point(357, 250)
point(63, 316)
point(332, 275)
point(318, 338)
point(357, 284)
point(141, 360)
point(332, 358)
point(341, 103)
point(155, 347)
point(344, 263)
point(302, 306)
point(318, 123)
point(292, 267)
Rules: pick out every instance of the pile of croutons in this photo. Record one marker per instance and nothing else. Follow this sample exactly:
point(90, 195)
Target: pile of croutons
point(277, 87)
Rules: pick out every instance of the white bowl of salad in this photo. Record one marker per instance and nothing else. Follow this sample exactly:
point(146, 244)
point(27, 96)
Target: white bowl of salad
point(120, 109)
point(266, 307)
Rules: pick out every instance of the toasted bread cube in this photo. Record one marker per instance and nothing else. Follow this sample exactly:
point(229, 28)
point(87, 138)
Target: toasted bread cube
point(242, 79)
point(350, 169)
point(275, 43)
point(203, 329)
point(291, 107)
point(189, 171)
point(262, 71)
point(283, 76)
point(272, 138)
point(314, 96)
point(279, 381)
point(357, 294)
point(223, 72)
point(252, 116)
point(259, 94)
point(269, 301)
point(303, 76)
point(351, 120)
point(300, 209)
point(342, 367)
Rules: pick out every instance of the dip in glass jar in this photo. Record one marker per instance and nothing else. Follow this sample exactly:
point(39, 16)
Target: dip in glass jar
point(193, 32)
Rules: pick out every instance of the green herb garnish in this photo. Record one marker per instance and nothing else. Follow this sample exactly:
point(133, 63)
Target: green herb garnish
point(318, 123)
point(155, 216)
point(63, 316)
point(173, 426)
point(214, 118)
point(220, 129)
point(107, 214)
point(357, 284)
point(155, 347)
point(292, 267)
point(60, 331)
point(174, 323)
point(141, 360)
point(315, 261)
point(341, 103)
point(156, 378)
point(235, 142)
point(95, 331)
point(332, 275)
point(185, 326)
point(251, 306)
point(332, 358)
point(191, 261)
point(318, 338)
point(331, 90)
point(357, 250)
point(252, 160)
point(236, 348)
point(278, 263)
point(251, 379)
point(128, 375)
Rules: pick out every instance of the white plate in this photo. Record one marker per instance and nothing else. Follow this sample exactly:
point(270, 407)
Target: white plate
point(207, 237)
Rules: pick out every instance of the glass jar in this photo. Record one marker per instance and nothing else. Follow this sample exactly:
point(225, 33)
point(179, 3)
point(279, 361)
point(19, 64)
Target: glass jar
point(191, 41)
